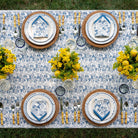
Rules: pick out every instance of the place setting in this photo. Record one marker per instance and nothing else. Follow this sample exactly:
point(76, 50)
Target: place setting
point(100, 29)
point(40, 107)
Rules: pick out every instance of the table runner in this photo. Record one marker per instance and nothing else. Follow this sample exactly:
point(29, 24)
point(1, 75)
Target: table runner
point(34, 72)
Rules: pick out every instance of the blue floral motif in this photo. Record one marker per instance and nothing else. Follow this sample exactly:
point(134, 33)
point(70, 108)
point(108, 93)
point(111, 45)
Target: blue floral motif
point(38, 109)
point(102, 108)
point(40, 27)
point(102, 27)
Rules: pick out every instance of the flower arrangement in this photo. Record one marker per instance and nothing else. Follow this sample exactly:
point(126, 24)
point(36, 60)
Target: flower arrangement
point(65, 65)
point(6, 62)
point(127, 63)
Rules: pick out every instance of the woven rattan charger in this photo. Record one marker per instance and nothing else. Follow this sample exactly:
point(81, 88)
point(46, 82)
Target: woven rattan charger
point(95, 91)
point(86, 37)
point(56, 106)
point(40, 46)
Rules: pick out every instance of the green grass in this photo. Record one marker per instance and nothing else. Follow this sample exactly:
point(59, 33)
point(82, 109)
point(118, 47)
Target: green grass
point(68, 5)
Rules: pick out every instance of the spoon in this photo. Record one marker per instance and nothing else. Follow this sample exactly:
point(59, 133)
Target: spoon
point(80, 40)
point(135, 110)
point(1, 108)
point(3, 28)
point(13, 107)
point(17, 107)
point(66, 104)
point(126, 104)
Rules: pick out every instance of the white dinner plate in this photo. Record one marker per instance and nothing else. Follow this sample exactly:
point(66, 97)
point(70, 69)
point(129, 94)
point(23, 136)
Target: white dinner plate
point(89, 27)
point(50, 105)
point(51, 29)
point(89, 106)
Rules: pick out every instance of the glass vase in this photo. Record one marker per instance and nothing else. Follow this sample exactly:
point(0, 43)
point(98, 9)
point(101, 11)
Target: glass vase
point(135, 84)
point(4, 85)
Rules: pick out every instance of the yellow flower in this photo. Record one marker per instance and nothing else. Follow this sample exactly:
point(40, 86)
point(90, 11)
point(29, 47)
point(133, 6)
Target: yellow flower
point(59, 64)
point(137, 58)
point(125, 63)
point(77, 66)
point(136, 69)
point(57, 72)
point(0, 57)
point(133, 52)
point(120, 68)
point(53, 67)
point(66, 59)
point(10, 60)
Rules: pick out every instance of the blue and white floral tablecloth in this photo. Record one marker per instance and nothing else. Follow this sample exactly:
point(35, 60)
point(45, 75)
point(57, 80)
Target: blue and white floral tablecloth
point(33, 71)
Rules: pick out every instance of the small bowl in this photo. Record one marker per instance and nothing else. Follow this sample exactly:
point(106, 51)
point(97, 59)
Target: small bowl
point(123, 88)
point(60, 91)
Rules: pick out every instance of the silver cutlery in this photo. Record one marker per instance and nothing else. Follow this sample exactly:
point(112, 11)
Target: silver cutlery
point(66, 105)
point(62, 113)
point(78, 105)
point(124, 26)
point(3, 28)
point(75, 110)
point(13, 108)
point(133, 31)
point(75, 24)
point(59, 21)
point(15, 29)
point(1, 114)
point(17, 108)
point(126, 106)
point(135, 112)
point(62, 27)
point(120, 24)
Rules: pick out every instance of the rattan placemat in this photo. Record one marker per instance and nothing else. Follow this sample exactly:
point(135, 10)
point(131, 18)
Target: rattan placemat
point(40, 46)
point(86, 37)
point(95, 91)
point(56, 106)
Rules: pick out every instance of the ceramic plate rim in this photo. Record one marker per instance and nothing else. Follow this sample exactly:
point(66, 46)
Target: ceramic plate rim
point(88, 114)
point(46, 119)
point(110, 38)
point(29, 22)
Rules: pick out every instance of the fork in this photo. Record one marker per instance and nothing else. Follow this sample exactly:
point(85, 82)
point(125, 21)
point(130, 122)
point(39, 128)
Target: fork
point(120, 22)
point(133, 29)
point(79, 104)
point(75, 108)
point(13, 107)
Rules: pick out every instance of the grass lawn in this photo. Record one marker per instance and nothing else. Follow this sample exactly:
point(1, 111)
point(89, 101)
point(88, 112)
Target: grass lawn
point(70, 5)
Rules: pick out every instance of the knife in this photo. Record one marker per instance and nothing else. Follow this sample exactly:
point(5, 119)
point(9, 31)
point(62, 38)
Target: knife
point(62, 113)
point(1, 107)
point(121, 108)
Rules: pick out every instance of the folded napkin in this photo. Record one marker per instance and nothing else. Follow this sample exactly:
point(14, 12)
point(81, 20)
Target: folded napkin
point(100, 117)
point(38, 109)
point(102, 27)
point(102, 108)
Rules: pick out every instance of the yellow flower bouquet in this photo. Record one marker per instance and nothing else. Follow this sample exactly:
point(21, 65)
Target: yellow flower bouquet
point(65, 65)
point(127, 63)
point(6, 62)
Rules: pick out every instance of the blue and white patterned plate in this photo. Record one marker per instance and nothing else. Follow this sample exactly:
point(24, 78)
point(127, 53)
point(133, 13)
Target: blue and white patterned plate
point(90, 106)
point(90, 28)
point(35, 31)
point(29, 101)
